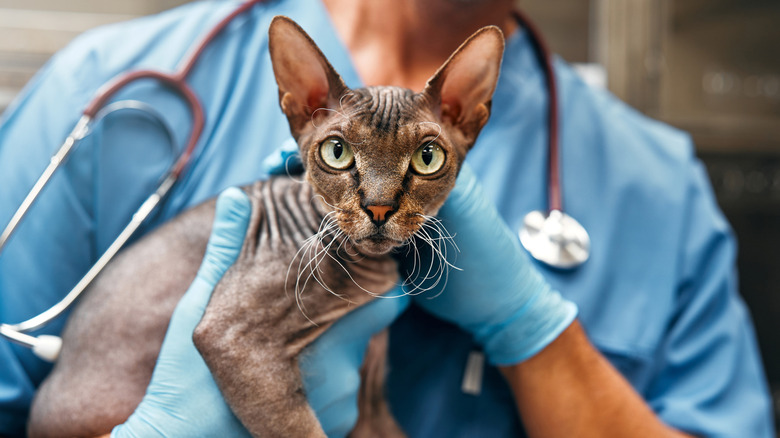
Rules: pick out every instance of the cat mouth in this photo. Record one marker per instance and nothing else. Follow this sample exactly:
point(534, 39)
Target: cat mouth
point(377, 243)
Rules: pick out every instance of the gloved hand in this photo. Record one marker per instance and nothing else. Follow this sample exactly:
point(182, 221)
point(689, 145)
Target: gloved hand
point(330, 367)
point(182, 398)
point(498, 296)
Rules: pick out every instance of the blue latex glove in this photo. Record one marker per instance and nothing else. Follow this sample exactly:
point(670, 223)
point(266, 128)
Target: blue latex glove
point(286, 160)
point(498, 296)
point(330, 367)
point(182, 398)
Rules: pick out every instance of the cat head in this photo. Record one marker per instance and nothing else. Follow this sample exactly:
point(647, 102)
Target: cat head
point(383, 158)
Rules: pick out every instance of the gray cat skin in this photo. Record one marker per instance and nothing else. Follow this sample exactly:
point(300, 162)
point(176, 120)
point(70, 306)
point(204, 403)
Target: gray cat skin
point(379, 162)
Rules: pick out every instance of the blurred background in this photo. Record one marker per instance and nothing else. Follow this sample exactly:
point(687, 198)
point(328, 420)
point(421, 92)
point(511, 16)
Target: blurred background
point(710, 67)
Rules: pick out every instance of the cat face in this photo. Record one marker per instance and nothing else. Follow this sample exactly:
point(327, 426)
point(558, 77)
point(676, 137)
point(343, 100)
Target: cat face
point(383, 162)
point(383, 158)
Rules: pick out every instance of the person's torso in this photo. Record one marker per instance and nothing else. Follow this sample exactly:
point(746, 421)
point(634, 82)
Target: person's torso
point(617, 180)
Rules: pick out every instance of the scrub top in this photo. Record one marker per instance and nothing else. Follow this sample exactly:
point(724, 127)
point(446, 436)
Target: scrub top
point(658, 297)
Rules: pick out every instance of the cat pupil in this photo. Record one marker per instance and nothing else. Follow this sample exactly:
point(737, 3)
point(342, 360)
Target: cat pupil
point(338, 149)
point(427, 155)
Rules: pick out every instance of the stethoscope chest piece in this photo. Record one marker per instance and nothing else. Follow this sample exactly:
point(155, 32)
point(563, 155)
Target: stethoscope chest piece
point(556, 239)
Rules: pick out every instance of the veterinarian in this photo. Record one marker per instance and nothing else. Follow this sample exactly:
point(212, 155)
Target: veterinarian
point(662, 345)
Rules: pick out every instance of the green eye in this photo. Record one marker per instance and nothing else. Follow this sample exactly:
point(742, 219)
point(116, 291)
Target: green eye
point(428, 159)
point(336, 153)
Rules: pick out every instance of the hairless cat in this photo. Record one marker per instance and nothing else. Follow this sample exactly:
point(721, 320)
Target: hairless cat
point(379, 163)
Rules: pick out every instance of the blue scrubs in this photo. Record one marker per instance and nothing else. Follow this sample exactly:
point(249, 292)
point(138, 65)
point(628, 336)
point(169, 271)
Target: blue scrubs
point(658, 296)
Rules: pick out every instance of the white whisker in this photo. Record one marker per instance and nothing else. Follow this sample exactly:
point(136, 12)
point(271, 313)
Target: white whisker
point(438, 128)
point(326, 203)
point(343, 116)
point(436, 236)
point(289, 172)
point(309, 257)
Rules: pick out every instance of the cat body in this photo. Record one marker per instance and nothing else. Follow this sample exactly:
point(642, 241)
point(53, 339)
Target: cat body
point(114, 336)
point(379, 163)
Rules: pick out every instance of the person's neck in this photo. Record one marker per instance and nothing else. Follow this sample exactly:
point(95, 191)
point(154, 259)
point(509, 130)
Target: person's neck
point(403, 42)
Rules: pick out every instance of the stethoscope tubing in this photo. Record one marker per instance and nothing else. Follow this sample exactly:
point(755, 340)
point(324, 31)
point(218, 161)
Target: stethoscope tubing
point(77, 133)
point(177, 83)
point(543, 55)
point(174, 81)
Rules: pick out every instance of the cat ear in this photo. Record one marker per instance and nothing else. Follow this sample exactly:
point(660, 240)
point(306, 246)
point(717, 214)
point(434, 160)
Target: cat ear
point(307, 82)
point(462, 88)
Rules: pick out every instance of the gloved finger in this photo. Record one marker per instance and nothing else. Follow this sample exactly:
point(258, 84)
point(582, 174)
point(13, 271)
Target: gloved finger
point(227, 235)
point(182, 395)
point(339, 418)
point(335, 399)
point(284, 161)
point(330, 365)
point(364, 322)
point(343, 345)
point(178, 343)
point(479, 230)
point(331, 379)
point(461, 218)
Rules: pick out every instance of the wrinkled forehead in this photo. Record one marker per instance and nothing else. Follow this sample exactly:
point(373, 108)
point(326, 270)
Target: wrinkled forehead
point(390, 113)
point(384, 109)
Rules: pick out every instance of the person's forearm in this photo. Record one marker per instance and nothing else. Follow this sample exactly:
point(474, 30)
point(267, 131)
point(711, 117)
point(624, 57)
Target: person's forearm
point(568, 389)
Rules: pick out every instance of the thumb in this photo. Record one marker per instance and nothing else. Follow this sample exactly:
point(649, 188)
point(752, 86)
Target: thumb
point(227, 235)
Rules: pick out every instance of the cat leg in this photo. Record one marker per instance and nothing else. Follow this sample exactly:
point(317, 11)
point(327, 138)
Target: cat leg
point(246, 331)
point(374, 417)
point(260, 381)
point(258, 321)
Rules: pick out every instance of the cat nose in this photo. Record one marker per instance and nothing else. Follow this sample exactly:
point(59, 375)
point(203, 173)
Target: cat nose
point(379, 213)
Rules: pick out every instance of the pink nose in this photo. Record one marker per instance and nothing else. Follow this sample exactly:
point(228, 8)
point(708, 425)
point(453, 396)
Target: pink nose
point(379, 212)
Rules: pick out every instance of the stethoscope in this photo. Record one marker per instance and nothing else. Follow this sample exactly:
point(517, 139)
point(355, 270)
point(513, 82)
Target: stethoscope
point(553, 237)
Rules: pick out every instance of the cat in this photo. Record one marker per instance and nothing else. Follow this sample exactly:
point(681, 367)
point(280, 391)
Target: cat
point(379, 162)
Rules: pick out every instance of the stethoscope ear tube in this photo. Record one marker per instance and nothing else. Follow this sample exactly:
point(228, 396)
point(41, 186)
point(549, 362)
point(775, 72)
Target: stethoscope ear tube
point(71, 141)
point(46, 347)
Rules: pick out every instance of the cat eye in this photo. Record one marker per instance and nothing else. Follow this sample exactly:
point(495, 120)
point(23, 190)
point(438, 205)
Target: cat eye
point(336, 153)
point(428, 159)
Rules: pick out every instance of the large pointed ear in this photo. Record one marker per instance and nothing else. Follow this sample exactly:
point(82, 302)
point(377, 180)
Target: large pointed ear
point(307, 82)
point(462, 89)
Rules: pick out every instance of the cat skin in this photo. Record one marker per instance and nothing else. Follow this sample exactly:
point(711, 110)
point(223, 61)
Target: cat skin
point(367, 190)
